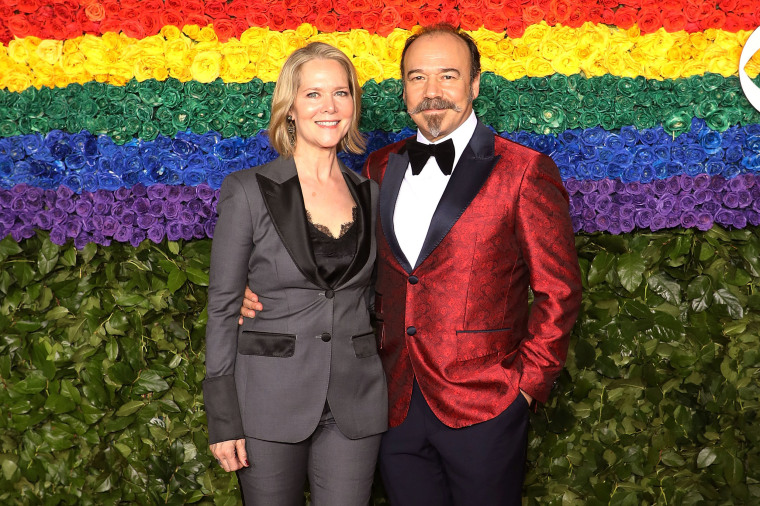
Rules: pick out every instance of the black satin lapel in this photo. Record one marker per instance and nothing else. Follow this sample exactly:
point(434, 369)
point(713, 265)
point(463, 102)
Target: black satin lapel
point(363, 197)
point(284, 202)
point(394, 175)
point(466, 181)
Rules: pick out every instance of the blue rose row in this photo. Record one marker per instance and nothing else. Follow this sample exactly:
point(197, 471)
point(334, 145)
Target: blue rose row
point(85, 162)
point(173, 212)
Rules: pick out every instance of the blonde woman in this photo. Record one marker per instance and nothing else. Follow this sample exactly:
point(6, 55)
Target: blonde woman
point(298, 391)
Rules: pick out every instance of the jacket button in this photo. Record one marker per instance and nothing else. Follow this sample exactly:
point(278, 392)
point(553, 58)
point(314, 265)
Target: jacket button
point(411, 331)
point(326, 337)
point(329, 294)
point(413, 280)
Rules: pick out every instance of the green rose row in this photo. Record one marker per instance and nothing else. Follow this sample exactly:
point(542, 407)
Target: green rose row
point(539, 105)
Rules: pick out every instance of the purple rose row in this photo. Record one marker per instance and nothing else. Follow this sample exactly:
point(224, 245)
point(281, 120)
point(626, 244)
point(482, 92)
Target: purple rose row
point(698, 202)
point(159, 211)
point(156, 212)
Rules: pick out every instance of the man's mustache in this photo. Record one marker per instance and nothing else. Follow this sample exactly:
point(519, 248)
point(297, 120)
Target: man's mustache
point(436, 104)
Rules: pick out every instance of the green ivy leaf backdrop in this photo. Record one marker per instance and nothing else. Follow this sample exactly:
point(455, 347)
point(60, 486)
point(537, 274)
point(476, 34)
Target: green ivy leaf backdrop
point(101, 361)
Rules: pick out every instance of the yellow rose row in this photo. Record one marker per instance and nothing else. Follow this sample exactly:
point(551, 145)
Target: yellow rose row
point(195, 53)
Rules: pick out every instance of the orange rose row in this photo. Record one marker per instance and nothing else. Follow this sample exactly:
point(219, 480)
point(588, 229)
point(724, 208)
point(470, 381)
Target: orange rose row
point(64, 19)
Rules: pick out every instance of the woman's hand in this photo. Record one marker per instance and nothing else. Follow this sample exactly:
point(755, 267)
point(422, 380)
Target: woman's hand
point(230, 454)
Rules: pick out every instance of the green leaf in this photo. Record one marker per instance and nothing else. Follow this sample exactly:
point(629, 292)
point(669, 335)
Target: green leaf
point(149, 381)
point(56, 313)
point(607, 367)
point(682, 358)
point(664, 286)
point(706, 252)
point(677, 248)
point(585, 354)
point(750, 253)
point(728, 370)
point(70, 391)
point(59, 404)
point(623, 497)
point(123, 449)
point(27, 325)
point(106, 483)
point(23, 273)
point(9, 468)
point(630, 270)
point(118, 424)
point(169, 406)
point(31, 384)
point(58, 436)
point(69, 257)
point(197, 276)
point(667, 327)
point(699, 292)
point(48, 257)
point(194, 497)
point(176, 280)
point(129, 408)
point(8, 247)
point(88, 252)
point(638, 310)
point(112, 349)
point(121, 373)
point(118, 324)
point(733, 470)
point(129, 299)
point(91, 414)
point(725, 298)
point(706, 457)
point(173, 247)
point(672, 459)
point(602, 263)
point(737, 276)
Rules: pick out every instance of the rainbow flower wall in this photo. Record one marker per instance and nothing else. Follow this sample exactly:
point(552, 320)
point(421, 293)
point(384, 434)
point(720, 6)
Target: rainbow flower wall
point(117, 125)
point(120, 119)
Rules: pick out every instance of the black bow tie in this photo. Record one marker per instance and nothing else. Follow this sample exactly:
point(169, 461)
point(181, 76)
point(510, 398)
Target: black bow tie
point(420, 153)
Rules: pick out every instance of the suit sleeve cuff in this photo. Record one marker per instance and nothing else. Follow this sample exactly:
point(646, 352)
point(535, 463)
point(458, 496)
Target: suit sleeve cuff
point(222, 409)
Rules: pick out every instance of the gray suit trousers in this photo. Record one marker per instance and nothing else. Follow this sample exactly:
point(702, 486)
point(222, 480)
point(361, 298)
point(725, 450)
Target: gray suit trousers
point(340, 470)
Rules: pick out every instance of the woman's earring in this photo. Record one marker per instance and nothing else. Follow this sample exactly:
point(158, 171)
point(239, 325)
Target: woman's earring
point(291, 130)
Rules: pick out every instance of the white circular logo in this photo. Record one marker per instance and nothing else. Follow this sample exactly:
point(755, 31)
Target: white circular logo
point(751, 91)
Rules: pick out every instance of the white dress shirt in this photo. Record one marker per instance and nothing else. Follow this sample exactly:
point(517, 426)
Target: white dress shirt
point(419, 195)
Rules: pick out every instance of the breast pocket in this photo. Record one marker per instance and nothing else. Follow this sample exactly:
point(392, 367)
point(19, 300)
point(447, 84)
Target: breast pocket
point(365, 345)
point(473, 344)
point(266, 344)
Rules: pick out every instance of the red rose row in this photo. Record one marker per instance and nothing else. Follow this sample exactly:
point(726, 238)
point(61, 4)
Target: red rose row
point(63, 19)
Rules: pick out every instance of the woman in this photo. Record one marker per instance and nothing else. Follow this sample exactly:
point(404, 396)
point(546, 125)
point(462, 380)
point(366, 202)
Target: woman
point(299, 390)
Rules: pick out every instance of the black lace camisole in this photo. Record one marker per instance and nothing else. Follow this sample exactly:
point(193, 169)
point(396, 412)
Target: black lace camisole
point(333, 254)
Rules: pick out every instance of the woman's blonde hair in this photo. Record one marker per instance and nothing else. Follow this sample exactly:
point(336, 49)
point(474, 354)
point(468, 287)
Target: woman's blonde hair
point(285, 94)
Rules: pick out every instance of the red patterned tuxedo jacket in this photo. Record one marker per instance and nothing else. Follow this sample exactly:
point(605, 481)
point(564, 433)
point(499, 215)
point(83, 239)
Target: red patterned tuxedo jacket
point(459, 321)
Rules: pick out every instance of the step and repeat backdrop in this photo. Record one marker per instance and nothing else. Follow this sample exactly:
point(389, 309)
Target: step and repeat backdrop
point(120, 119)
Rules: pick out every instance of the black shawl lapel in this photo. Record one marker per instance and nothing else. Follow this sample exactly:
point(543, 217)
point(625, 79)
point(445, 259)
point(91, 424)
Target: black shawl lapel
point(284, 201)
point(394, 175)
point(471, 172)
point(362, 195)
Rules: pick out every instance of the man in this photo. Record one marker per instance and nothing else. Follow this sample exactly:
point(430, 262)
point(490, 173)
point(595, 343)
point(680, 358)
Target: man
point(465, 230)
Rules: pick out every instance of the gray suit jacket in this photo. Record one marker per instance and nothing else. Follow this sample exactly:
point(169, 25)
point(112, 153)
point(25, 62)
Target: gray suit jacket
point(269, 378)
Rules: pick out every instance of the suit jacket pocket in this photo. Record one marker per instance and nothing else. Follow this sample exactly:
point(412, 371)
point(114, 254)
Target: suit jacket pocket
point(481, 343)
point(266, 344)
point(365, 345)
